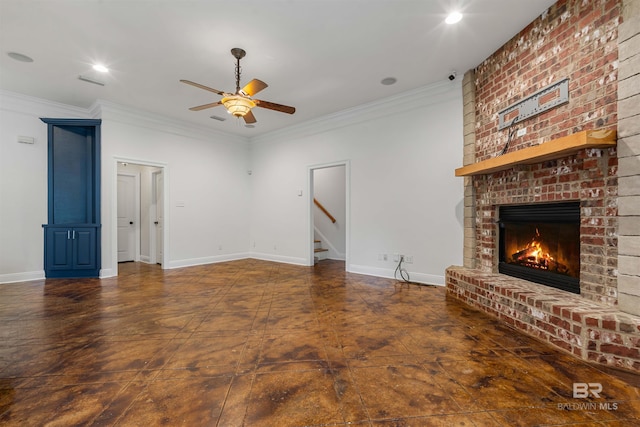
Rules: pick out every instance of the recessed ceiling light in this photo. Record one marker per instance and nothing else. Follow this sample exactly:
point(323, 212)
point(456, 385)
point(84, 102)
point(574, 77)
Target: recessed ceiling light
point(388, 81)
point(453, 18)
point(20, 57)
point(100, 68)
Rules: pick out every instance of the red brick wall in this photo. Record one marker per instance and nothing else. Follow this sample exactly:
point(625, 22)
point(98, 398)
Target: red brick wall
point(575, 39)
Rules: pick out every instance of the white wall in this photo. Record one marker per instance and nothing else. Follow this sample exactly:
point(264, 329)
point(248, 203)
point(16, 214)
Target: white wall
point(404, 197)
point(206, 173)
point(329, 188)
point(206, 186)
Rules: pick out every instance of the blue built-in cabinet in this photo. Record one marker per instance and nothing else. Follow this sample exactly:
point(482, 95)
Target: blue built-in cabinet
point(72, 234)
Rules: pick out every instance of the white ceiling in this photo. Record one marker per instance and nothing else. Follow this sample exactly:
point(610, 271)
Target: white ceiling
point(320, 56)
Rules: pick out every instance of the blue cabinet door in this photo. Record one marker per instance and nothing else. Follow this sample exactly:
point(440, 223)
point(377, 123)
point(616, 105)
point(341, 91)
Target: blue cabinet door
point(59, 249)
point(84, 248)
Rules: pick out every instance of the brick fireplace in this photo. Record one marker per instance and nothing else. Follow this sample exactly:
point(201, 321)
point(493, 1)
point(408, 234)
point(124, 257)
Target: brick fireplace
point(593, 44)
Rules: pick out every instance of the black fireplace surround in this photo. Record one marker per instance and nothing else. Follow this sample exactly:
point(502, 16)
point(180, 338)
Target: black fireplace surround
point(541, 243)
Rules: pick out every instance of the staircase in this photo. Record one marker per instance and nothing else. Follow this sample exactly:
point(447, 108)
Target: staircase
point(319, 252)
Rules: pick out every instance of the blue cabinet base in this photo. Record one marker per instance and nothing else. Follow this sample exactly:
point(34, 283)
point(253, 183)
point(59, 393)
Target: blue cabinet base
point(72, 274)
point(72, 250)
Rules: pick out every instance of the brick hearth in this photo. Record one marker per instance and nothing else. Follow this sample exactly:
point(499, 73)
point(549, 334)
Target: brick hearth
point(582, 327)
point(595, 45)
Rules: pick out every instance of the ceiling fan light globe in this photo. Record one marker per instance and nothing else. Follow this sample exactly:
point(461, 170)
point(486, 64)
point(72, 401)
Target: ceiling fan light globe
point(237, 105)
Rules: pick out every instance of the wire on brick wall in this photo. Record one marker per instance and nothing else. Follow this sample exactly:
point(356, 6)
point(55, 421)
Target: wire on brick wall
point(511, 133)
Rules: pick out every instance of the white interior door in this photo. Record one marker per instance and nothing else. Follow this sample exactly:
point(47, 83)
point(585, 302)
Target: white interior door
point(126, 218)
point(158, 199)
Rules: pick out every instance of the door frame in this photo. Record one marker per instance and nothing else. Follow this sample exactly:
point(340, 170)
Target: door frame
point(310, 209)
point(136, 213)
point(114, 207)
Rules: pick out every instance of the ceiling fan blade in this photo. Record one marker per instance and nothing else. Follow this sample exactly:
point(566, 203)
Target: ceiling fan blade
point(189, 82)
point(249, 118)
point(205, 106)
point(274, 106)
point(253, 87)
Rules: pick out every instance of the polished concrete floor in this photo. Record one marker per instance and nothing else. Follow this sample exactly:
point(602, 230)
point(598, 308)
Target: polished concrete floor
point(254, 343)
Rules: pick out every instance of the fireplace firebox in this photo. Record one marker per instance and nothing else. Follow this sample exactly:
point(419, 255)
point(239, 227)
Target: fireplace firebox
point(541, 243)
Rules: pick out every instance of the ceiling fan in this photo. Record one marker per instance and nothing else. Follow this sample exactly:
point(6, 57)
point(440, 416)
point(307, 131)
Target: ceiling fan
point(241, 102)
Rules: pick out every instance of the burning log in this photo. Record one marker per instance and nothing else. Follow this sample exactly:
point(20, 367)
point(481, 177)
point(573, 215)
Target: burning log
point(527, 254)
point(533, 257)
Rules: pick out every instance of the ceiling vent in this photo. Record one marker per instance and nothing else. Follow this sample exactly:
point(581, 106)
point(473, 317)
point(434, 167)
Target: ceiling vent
point(91, 80)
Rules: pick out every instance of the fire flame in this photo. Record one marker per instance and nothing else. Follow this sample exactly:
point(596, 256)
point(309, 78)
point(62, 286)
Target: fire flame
point(534, 254)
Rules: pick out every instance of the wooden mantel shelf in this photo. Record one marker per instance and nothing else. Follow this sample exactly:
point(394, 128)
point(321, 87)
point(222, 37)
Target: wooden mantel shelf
point(601, 138)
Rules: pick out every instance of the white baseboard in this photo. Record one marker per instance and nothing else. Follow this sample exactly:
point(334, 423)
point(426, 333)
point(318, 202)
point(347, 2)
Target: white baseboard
point(207, 260)
point(146, 259)
point(278, 258)
point(108, 272)
point(427, 279)
point(22, 277)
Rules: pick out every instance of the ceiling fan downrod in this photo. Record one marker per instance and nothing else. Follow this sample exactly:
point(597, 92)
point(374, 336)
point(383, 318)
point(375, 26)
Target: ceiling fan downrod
point(238, 54)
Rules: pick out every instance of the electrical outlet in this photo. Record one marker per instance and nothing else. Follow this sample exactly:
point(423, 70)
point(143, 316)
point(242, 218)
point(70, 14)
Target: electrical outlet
point(521, 132)
point(408, 259)
point(396, 257)
point(385, 257)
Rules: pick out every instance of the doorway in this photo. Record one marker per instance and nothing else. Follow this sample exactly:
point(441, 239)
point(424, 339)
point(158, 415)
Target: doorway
point(156, 212)
point(128, 216)
point(329, 212)
point(140, 223)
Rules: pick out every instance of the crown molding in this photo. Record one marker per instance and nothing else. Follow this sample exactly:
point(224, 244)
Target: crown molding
point(397, 104)
point(38, 107)
point(132, 116)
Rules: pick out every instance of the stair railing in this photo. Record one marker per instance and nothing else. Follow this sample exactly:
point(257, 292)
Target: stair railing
point(323, 209)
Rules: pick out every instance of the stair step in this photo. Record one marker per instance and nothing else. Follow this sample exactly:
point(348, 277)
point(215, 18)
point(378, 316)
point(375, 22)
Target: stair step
point(320, 250)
